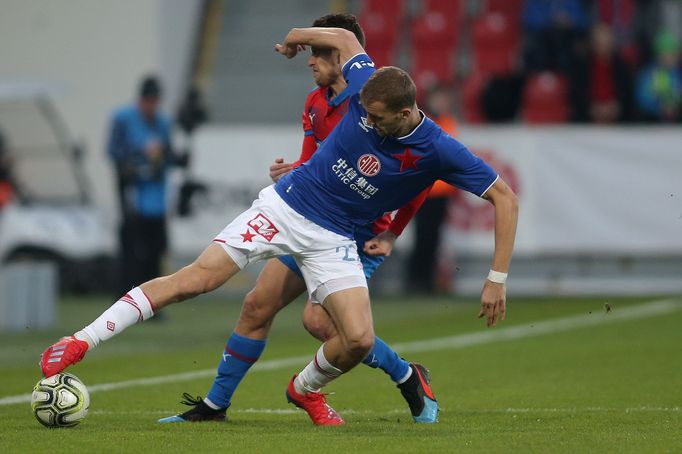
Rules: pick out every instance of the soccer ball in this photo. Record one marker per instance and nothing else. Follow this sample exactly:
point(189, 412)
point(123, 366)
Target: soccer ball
point(60, 401)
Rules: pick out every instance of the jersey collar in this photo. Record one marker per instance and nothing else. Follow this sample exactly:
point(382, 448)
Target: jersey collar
point(339, 99)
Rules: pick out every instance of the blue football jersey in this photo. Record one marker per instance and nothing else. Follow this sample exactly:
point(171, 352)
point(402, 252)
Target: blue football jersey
point(357, 175)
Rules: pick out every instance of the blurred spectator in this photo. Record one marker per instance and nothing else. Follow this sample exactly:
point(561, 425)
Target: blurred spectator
point(553, 28)
point(10, 187)
point(423, 261)
point(6, 177)
point(620, 16)
point(659, 86)
point(140, 148)
point(501, 97)
point(601, 82)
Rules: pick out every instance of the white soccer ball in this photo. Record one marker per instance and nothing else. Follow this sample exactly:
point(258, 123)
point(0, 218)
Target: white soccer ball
point(60, 401)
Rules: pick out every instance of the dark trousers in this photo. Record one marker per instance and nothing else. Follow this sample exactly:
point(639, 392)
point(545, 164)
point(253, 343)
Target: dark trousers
point(424, 256)
point(143, 241)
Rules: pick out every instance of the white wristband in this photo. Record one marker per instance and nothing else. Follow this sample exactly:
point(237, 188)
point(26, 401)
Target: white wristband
point(497, 277)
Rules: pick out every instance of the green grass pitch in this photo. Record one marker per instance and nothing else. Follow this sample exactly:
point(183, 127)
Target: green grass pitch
point(586, 380)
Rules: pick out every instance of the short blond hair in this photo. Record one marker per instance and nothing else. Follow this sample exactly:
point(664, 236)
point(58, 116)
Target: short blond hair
point(392, 86)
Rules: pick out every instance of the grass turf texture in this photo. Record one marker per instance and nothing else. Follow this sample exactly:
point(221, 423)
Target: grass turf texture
point(614, 387)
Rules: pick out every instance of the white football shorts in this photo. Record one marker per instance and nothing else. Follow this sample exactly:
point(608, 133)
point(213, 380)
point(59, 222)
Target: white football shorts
point(270, 228)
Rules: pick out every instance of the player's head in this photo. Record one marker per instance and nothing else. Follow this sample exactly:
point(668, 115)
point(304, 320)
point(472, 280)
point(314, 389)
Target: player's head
point(325, 62)
point(149, 95)
point(389, 97)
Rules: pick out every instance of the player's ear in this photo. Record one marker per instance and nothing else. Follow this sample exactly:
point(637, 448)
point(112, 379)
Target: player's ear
point(405, 113)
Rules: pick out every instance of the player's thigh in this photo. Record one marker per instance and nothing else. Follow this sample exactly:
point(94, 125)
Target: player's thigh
point(210, 270)
point(351, 314)
point(276, 286)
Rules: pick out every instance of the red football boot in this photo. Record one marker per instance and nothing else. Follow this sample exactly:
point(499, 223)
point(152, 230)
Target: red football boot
point(61, 355)
point(315, 405)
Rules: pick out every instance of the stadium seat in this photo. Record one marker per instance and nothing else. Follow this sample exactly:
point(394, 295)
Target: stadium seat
point(495, 45)
point(509, 8)
point(381, 20)
point(545, 98)
point(434, 43)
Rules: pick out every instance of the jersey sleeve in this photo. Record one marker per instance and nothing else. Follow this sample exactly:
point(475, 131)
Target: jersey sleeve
point(308, 148)
point(309, 145)
point(406, 213)
point(305, 118)
point(356, 71)
point(462, 168)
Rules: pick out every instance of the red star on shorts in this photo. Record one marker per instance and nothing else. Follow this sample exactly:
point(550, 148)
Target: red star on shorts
point(247, 236)
point(407, 159)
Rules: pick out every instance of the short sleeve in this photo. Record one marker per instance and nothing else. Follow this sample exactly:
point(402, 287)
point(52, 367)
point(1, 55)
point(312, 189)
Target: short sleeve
point(462, 168)
point(356, 71)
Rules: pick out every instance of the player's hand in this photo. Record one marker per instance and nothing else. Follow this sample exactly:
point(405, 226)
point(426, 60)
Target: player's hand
point(493, 302)
point(382, 244)
point(289, 50)
point(279, 168)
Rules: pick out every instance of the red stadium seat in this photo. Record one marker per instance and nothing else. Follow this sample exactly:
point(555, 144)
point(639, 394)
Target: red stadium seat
point(451, 8)
point(434, 42)
point(381, 20)
point(495, 45)
point(545, 98)
point(509, 8)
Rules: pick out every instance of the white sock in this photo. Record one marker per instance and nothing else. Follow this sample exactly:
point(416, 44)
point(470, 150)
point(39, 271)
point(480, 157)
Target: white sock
point(318, 373)
point(133, 307)
point(211, 404)
point(407, 375)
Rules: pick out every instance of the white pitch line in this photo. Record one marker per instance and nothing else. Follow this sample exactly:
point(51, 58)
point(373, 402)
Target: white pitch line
point(289, 411)
point(650, 309)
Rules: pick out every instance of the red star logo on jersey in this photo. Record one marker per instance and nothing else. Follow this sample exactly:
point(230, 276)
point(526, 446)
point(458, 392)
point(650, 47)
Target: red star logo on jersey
point(407, 160)
point(247, 236)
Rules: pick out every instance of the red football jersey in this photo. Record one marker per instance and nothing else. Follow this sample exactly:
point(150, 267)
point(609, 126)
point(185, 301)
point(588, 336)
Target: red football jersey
point(320, 116)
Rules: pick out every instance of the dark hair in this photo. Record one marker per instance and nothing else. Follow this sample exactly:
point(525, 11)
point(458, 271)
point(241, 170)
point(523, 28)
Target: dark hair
point(391, 86)
point(150, 87)
point(342, 20)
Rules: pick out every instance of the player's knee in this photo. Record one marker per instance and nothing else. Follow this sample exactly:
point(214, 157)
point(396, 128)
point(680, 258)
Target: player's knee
point(318, 324)
point(256, 312)
point(360, 345)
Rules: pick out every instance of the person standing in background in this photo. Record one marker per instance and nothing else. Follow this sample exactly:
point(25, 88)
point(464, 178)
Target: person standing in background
point(659, 85)
point(140, 149)
point(422, 265)
point(601, 82)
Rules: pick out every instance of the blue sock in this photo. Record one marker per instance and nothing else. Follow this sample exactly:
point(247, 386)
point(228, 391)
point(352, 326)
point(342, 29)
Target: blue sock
point(239, 355)
point(383, 357)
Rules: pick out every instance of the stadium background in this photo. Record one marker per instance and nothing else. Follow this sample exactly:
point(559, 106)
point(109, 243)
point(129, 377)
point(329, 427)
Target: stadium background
point(601, 205)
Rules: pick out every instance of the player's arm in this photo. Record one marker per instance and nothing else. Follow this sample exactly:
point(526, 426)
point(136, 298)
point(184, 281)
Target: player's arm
point(382, 244)
point(335, 38)
point(493, 296)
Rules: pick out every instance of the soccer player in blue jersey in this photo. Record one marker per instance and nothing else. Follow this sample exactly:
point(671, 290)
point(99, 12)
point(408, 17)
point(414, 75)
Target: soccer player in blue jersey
point(381, 155)
point(281, 280)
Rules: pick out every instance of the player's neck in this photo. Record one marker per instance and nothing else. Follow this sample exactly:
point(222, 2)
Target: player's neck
point(412, 122)
point(337, 87)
